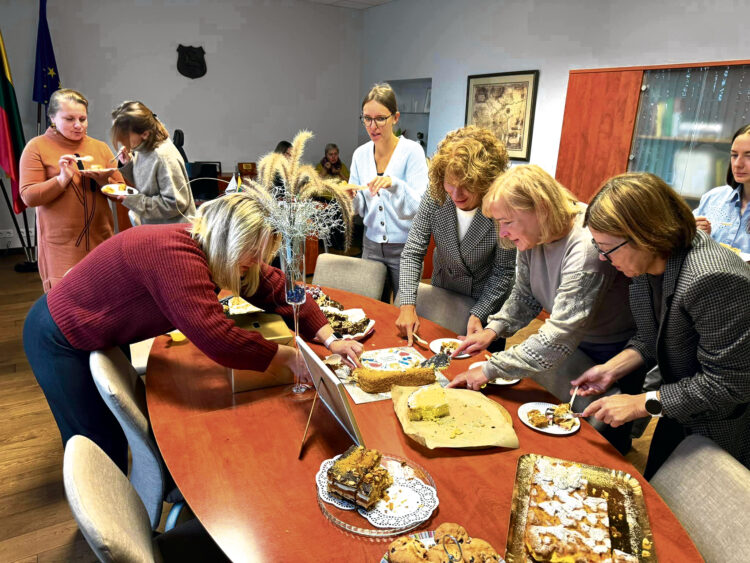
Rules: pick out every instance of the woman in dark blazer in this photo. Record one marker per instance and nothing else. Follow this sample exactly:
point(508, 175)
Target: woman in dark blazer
point(468, 259)
point(689, 301)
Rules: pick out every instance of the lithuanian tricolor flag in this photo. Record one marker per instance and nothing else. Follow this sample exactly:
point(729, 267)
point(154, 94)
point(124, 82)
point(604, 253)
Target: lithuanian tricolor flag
point(11, 131)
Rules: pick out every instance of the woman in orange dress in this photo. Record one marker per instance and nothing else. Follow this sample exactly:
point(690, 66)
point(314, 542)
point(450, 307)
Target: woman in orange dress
point(73, 216)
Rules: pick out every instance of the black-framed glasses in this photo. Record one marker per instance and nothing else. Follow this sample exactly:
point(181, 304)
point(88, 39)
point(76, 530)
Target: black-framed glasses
point(606, 253)
point(379, 121)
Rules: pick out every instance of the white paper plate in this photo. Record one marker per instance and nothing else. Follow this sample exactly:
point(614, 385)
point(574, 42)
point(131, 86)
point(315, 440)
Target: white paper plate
point(411, 500)
point(116, 189)
point(499, 380)
point(435, 346)
point(353, 315)
point(107, 170)
point(552, 429)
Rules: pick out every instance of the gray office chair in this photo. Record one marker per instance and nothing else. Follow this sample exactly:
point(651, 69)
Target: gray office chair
point(709, 492)
point(446, 308)
point(363, 277)
point(113, 519)
point(124, 393)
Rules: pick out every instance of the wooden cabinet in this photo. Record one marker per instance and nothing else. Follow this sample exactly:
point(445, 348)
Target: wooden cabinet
point(653, 119)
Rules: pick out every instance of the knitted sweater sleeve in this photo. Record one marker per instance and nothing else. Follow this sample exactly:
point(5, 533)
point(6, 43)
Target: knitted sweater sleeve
point(179, 281)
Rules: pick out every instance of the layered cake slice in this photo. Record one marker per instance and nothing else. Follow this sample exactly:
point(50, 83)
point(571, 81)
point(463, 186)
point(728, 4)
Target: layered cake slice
point(428, 403)
point(380, 381)
point(358, 477)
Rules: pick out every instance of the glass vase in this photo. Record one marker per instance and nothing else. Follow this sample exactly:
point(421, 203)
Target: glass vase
point(292, 259)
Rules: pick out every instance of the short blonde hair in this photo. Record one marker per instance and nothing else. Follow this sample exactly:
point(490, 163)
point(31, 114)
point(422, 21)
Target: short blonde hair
point(641, 208)
point(383, 94)
point(137, 118)
point(65, 95)
point(528, 187)
point(228, 229)
point(473, 156)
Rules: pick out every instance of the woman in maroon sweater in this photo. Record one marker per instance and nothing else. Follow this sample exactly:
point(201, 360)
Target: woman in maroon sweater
point(148, 281)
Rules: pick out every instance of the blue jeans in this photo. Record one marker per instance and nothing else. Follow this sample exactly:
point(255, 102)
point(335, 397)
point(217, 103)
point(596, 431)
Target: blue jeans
point(63, 373)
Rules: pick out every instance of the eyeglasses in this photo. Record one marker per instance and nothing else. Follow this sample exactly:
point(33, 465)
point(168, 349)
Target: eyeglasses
point(379, 121)
point(606, 253)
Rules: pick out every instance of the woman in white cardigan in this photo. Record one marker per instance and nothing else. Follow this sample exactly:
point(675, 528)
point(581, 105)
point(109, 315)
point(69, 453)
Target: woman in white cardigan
point(393, 173)
point(155, 169)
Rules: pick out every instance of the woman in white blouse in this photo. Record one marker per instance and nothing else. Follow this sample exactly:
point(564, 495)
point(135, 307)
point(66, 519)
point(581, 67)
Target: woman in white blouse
point(393, 173)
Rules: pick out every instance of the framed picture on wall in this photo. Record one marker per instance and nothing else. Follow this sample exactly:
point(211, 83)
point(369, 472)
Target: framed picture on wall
point(504, 103)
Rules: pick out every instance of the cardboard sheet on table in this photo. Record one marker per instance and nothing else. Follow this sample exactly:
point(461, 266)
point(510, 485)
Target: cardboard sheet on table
point(482, 422)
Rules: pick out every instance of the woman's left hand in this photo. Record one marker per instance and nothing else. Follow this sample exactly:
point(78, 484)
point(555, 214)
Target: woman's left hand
point(616, 410)
point(472, 379)
point(474, 325)
point(379, 183)
point(99, 176)
point(349, 349)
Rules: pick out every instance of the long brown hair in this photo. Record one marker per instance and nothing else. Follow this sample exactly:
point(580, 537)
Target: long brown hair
point(135, 117)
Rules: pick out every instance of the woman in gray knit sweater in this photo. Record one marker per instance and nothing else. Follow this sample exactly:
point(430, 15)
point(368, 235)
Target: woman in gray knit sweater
point(155, 167)
point(557, 270)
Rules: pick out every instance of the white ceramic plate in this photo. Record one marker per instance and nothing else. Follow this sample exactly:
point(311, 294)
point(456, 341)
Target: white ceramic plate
point(410, 500)
point(553, 428)
point(435, 346)
point(354, 315)
point(499, 380)
point(116, 189)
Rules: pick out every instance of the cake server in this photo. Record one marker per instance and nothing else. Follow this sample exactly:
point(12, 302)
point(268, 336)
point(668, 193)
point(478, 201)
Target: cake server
point(438, 361)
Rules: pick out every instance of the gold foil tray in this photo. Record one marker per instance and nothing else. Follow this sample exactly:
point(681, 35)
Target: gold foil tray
point(629, 524)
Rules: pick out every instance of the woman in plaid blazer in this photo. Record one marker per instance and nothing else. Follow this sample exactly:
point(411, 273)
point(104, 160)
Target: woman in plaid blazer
point(468, 259)
point(689, 300)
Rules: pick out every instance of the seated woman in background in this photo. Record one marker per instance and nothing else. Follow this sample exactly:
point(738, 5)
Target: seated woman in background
point(693, 322)
point(558, 270)
point(151, 280)
point(73, 216)
point(155, 168)
point(468, 257)
point(394, 172)
point(331, 166)
point(723, 212)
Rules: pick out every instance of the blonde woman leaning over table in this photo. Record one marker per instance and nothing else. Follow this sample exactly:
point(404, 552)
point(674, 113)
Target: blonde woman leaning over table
point(724, 212)
point(150, 280)
point(469, 259)
point(689, 300)
point(156, 168)
point(393, 172)
point(558, 270)
point(73, 216)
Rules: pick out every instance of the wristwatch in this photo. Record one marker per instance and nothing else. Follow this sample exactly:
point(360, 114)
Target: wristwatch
point(331, 339)
point(653, 404)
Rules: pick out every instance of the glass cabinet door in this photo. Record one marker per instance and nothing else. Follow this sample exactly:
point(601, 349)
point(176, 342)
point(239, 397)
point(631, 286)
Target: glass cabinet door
point(686, 119)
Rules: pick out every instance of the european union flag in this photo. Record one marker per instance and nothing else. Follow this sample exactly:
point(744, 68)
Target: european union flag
point(46, 77)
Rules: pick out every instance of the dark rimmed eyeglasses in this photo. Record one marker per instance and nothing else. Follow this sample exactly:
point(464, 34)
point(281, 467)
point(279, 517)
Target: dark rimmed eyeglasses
point(379, 121)
point(606, 253)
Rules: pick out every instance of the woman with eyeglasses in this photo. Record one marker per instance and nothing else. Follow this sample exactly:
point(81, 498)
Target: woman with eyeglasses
point(393, 173)
point(686, 297)
point(724, 212)
point(557, 270)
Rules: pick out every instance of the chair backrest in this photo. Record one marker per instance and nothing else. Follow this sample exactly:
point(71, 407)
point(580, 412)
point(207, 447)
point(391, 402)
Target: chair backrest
point(709, 492)
point(109, 512)
point(202, 182)
point(123, 392)
point(446, 308)
point(363, 277)
point(178, 138)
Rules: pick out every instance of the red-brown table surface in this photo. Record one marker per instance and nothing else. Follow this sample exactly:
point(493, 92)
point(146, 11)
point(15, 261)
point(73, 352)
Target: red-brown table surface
point(234, 457)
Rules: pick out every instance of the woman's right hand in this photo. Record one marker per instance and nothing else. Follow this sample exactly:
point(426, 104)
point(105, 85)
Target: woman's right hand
point(703, 224)
point(474, 343)
point(407, 323)
point(124, 156)
point(286, 360)
point(68, 167)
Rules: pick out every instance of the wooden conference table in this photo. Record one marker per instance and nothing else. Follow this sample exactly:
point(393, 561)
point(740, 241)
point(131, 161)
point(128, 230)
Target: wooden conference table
point(234, 457)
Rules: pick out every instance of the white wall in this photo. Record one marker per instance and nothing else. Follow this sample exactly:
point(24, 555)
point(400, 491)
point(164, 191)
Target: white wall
point(274, 67)
point(449, 40)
